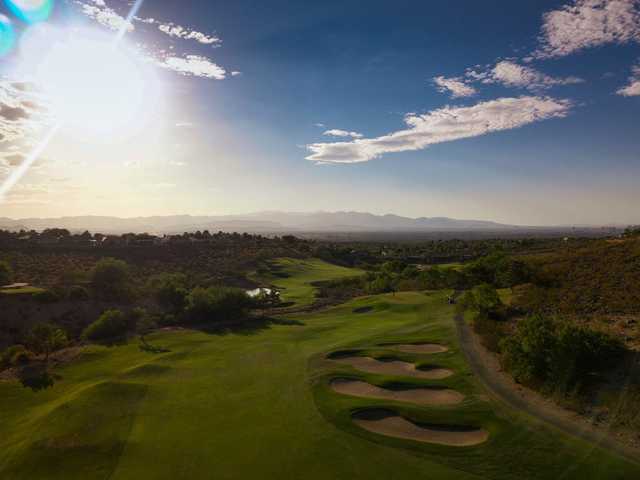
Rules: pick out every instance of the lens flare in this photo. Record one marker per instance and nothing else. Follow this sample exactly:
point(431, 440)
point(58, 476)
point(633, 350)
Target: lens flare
point(30, 11)
point(7, 35)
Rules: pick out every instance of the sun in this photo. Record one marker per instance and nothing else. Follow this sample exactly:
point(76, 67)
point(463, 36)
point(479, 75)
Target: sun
point(95, 86)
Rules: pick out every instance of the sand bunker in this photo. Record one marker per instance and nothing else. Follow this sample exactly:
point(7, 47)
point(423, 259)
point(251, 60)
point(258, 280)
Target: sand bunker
point(421, 348)
point(394, 367)
point(393, 425)
point(419, 396)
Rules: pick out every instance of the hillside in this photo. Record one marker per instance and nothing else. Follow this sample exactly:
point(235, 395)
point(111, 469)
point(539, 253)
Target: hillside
point(602, 278)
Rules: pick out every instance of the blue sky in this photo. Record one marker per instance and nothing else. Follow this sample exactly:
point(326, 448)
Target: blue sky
point(517, 112)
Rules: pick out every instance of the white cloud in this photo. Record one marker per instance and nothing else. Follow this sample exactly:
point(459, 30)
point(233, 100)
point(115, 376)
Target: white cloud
point(101, 13)
point(22, 111)
point(194, 65)
point(179, 31)
point(334, 132)
point(444, 125)
point(236, 73)
point(588, 23)
point(189, 65)
point(633, 88)
point(512, 74)
point(456, 86)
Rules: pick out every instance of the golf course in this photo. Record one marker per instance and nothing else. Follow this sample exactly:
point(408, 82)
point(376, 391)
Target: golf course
point(375, 388)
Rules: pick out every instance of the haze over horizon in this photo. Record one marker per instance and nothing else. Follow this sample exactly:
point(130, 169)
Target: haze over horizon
point(521, 113)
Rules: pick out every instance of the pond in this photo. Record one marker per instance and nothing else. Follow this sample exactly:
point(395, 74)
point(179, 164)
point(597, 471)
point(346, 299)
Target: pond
point(257, 291)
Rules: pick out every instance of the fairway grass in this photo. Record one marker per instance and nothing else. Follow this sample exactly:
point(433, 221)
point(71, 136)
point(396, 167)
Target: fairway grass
point(259, 405)
point(294, 277)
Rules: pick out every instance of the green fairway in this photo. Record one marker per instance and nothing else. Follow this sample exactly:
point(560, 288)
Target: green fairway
point(295, 277)
point(21, 291)
point(255, 404)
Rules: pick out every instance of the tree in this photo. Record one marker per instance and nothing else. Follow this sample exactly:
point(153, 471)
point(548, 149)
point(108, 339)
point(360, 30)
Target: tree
point(110, 278)
point(170, 291)
point(110, 325)
point(6, 273)
point(217, 303)
point(144, 326)
point(46, 338)
point(486, 299)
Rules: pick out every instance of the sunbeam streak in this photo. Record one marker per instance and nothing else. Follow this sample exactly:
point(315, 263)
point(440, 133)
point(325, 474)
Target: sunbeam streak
point(19, 172)
point(16, 175)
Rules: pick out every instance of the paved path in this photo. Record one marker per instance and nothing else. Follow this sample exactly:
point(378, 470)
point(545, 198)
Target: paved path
point(502, 387)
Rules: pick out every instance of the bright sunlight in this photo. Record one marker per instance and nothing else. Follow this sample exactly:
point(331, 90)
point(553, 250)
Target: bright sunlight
point(96, 86)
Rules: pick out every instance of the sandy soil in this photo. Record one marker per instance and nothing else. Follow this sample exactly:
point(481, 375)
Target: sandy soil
point(395, 426)
point(419, 396)
point(394, 367)
point(421, 348)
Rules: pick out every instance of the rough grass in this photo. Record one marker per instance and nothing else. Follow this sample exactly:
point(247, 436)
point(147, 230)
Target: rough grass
point(295, 277)
point(257, 404)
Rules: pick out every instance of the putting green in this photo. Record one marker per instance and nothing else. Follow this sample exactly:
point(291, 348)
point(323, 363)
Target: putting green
point(258, 404)
point(295, 277)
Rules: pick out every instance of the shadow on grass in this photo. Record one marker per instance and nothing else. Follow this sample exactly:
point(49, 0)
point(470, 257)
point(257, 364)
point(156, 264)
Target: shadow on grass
point(247, 327)
point(147, 347)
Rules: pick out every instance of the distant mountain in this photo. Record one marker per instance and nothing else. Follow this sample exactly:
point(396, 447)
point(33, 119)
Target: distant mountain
point(261, 222)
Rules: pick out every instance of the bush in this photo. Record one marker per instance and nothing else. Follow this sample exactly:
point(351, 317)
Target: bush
point(110, 325)
point(216, 304)
point(558, 356)
point(490, 332)
point(77, 293)
point(46, 296)
point(15, 356)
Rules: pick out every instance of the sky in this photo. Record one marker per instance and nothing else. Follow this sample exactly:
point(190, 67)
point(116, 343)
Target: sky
point(517, 112)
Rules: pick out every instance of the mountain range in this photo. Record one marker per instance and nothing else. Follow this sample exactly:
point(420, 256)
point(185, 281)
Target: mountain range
point(261, 222)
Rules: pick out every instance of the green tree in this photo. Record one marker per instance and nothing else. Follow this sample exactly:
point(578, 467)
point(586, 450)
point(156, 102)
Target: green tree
point(486, 299)
point(170, 291)
point(110, 278)
point(6, 273)
point(45, 338)
point(144, 325)
point(110, 325)
point(217, 303)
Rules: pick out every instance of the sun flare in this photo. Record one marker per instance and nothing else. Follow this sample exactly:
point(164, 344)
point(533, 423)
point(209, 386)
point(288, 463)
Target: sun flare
point(95, 86)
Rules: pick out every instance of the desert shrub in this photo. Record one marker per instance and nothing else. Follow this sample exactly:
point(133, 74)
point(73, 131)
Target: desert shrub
point(216, 304)
point(110, 279)
point(560, 357)
point(15, 356)
point(579, 352)
point(45, 338)
point(499, 270)
point(46, 296)
point(627, 411)
point(490, 331)
point(78, 293)
point(170, 291)
point(6, 273)
point(110, 325)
